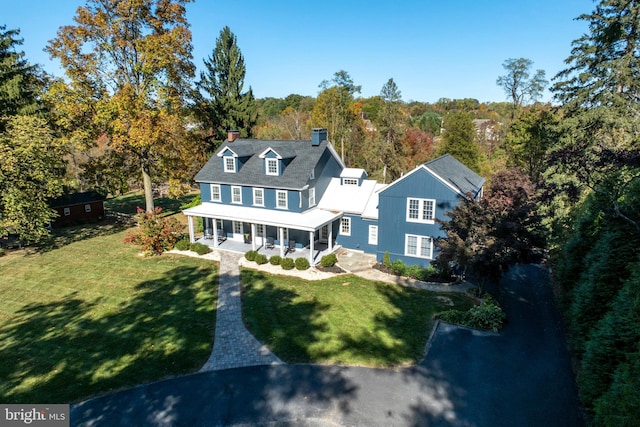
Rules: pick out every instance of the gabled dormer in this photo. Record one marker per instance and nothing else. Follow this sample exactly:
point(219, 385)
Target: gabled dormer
point(229, 160)
point(352, 176)
point(276, 161)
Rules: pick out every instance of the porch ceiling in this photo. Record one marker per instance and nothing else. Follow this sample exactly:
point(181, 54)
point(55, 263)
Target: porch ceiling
point(310, 220)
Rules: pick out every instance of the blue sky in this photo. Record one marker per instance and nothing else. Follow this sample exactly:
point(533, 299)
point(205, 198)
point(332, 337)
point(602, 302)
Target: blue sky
point(432, 49)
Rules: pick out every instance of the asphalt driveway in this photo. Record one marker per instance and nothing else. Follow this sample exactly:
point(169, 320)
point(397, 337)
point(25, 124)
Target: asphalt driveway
point(521, 377)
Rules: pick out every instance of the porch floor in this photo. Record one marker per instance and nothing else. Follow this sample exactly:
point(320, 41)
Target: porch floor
point(319, 249)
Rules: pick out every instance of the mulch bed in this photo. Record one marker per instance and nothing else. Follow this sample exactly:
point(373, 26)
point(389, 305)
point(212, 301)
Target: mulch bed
point(335, 269)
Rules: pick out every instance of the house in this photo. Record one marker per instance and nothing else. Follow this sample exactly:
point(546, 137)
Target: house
point(267, 192)
point(299, 194)
point(78, 207)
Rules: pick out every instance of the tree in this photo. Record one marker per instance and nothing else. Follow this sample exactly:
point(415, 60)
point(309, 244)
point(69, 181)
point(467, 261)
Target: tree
point(517, 83)
point(227, 108)
point(458, 140)
point(128, 65)
point(31, 172)
point(20, 83)
point(334, 110)
point(528, 139)
point(485, 237)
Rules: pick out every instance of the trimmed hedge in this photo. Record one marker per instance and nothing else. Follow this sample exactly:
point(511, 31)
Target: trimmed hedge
point(260, 259)
point(287, 264)
point(275, 260)
point(200, 249)
point(251, 255)
point(182, 245)
point(329, 260)
point(302, 263)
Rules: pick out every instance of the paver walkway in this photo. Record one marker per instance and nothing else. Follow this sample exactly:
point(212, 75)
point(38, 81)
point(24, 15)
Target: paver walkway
point(234, 346)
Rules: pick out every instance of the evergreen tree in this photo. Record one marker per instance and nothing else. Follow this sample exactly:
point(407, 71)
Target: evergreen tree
point(20, 82)
point(227, 107)
point(459, 140)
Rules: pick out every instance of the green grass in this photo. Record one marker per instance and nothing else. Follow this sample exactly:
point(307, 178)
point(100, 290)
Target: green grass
point(89, 316)
point(344, 320)
point(129, 202)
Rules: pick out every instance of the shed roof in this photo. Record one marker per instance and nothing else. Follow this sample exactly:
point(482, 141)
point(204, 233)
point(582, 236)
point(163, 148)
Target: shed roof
point(76, 199)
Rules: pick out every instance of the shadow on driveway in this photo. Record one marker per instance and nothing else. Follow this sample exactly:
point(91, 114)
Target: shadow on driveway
point(521, 377)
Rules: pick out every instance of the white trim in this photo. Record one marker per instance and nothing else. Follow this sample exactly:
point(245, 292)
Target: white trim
point(87, 208)
point(264, 153)
point(221, 152)
point(312, 196)
point(233, 188)
point(261, 191)
point(266, 166)
point(226, 165)
point(373, 235)
point(345, 221)
point(286, 199)
point(421, 210)
point(66, 211)
point(211, 187)
point(419, 241)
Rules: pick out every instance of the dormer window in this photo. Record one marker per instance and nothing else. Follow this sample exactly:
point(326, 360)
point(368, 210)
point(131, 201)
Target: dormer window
point(350, 181)
point(271, 166)
point(229, 164)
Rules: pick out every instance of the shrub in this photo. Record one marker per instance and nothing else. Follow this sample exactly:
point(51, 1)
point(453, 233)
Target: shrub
point(182, 245)
point(302, 263)
point(195, 201)
point(386, 260)
point(200, 249)
point(329, 260)
point(275, 260)
point(154, 233)
point(260, 259)
point(398, 267)
point(287, 263)
point(251, 255)
point(488, 316)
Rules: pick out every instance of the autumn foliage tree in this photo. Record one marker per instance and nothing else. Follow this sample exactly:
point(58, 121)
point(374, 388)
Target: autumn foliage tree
point(128, 68)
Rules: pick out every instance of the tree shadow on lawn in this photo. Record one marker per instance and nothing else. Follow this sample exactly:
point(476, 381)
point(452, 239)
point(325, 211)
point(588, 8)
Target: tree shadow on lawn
point(66, 235)
point(399, 336)
point(70, 349)
point(280, 319)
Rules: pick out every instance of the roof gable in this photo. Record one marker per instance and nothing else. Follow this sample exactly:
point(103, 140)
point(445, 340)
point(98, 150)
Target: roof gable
point(450, 172)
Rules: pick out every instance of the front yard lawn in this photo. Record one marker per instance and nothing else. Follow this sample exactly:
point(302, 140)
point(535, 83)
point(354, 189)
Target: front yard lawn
point(90, 316)
point(344, 320)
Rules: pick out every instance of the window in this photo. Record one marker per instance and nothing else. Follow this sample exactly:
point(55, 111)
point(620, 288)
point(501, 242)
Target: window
point(258, 197)
point(373, 234)
point(349, 181)
point(421, 210)
point(236, 194)
point(219, 225)
point(281, 199)
point(260, 230)
point(272, 166)
point(67, 211)
point(312, 196)
point(87, 208)
point(418, 246)
point(345, 226)
point(215, 193)
point(237, 227)
point(229, 164)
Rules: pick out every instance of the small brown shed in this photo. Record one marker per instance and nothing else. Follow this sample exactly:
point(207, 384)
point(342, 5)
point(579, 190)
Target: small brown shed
point(78, 207)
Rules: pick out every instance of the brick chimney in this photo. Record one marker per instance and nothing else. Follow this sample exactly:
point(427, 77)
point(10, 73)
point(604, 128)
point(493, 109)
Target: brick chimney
point(232, 135)
point(318, 135)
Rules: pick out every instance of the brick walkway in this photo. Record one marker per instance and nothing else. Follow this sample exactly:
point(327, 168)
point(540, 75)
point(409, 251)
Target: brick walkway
point(234, 346)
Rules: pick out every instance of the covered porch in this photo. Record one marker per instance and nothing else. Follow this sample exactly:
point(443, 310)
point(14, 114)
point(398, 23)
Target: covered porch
point(271, 232)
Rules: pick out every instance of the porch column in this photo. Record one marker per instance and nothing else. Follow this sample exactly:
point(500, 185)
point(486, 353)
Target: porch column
point(330, 237)
point(192, 237)
point(253, 236)
point(281, 234)
point(312, 235)
point(216, 242)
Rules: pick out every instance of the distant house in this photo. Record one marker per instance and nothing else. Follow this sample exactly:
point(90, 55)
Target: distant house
point(78, 207)
point(299, 194)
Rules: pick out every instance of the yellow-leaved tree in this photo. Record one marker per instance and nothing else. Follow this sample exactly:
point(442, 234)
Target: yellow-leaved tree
point(128, 67)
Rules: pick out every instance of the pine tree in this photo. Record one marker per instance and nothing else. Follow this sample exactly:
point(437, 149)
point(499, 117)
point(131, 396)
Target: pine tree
point(227, 107)
point(459, 140)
